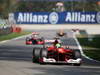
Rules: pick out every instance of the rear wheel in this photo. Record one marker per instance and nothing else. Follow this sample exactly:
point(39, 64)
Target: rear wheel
point(36, 54)
point(27, 38)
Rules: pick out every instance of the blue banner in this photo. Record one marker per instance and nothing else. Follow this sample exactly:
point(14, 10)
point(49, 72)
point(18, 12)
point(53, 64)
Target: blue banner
point(58, 0)
point(57, 17)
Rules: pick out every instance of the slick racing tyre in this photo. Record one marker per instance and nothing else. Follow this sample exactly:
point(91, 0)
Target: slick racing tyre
point(27, 38)
point(79, 64)
point(77, 54)
point(36, 54)
point(43, 53)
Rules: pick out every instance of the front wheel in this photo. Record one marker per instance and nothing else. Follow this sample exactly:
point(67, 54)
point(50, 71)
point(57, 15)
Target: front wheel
point(43, 54)
point(77, 54)
point(36, 54)
point(77, 64)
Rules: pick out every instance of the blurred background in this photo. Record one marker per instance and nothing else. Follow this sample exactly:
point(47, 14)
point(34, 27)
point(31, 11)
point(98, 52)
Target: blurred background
point(10, 6)
point(7, 7)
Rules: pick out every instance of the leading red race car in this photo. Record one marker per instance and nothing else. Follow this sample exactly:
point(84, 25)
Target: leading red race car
point(56, 53)
point(34, 39)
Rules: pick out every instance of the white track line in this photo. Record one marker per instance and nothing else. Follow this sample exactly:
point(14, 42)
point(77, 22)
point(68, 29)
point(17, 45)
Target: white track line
point(1, 42)
point(80, 48)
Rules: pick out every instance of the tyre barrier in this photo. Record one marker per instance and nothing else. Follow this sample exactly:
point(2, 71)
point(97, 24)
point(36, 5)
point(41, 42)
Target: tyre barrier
point(5, 30)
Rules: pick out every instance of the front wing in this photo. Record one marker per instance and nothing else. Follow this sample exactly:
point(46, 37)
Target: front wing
point(70, 61)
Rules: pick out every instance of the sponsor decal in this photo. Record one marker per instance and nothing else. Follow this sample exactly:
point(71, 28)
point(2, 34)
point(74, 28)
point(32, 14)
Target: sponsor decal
point(32, 18)
point(79, 17)
point(98, 17)
point(57, 18)
point(53, 18)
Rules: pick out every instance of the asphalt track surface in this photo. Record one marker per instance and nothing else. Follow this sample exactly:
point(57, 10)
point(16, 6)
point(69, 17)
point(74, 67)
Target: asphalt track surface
point(16, 59)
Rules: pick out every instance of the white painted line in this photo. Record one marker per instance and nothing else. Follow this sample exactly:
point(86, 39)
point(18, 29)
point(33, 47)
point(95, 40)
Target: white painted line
point(4, 41)
point(80, 48)
point(20, 37)
point(1, 42)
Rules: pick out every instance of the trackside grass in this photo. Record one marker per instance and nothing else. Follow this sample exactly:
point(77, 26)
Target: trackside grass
point(13, 35)
point(91, 45)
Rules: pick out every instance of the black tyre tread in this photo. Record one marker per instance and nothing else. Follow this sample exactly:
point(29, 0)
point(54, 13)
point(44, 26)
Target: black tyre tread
point(77, 64)
point(43, 52)
point(36, 54)
point(27, 37)
point(77, 54)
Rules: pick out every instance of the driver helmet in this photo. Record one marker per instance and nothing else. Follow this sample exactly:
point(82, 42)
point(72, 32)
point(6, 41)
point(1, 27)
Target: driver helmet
point(61, 32)
point(35, 35)
point(58, 45)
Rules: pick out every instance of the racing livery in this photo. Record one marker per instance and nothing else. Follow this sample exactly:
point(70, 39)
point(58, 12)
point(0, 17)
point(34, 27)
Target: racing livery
point(34, 39)
point(56, 53)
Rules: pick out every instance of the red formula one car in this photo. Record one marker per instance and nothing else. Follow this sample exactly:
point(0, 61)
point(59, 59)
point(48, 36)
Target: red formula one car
point(57, 54)
point(34, 39)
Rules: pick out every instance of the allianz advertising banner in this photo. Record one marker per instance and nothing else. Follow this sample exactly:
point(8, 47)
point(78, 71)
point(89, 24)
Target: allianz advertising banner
point(57, 17)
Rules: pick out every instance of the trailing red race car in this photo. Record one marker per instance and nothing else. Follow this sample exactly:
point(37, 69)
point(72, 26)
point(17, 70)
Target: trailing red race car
point(34, 39)
point(56, 53)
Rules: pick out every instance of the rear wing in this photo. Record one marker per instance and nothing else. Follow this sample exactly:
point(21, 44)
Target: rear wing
point(35, 33)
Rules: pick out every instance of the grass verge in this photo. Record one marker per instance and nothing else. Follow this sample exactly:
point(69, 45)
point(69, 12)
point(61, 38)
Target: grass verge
point(90, 46)
point(12, 35)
